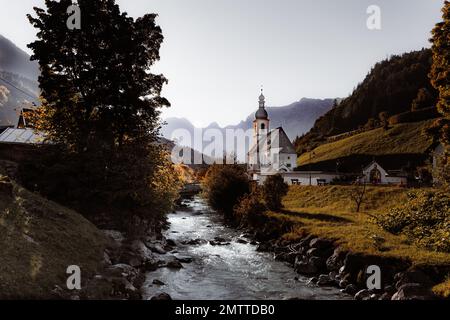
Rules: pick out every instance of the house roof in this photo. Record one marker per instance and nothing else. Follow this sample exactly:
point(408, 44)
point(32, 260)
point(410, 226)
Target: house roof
point(25, 136)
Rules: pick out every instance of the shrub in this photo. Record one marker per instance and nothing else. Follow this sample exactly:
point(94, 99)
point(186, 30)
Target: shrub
point(424, 219)
point(250, 211)
point(224, 186)
point(274, 190)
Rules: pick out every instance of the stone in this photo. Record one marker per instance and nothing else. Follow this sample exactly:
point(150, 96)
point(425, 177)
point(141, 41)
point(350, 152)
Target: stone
point(350, 289)
point(184, 259)
point(413, 291)
point(320, 243)
point(312, 280)
point(158, 282)
point(336, 260)
point(6, 188)
point(171, 242)
point(413, 275)
point(324, 280)
point(161, 296)
point(385, 296)
point(363, 295)
point(241, 241)
point(305, 267)
point(174, 264)
point(343, 284)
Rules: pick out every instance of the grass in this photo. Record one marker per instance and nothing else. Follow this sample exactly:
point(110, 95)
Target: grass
point(406, 138)
point(443, 289)
point(39, 240)
point(330, 213)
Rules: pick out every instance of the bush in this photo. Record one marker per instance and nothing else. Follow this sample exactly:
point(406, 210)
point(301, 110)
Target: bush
point(424, 219)
point(250, 211)
point(274, 190)
point(224, 186)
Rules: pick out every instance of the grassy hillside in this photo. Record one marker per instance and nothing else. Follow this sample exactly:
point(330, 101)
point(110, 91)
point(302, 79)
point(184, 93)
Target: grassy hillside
point(406, 138)
point(391, 87)
point(329, 212)
point(39, 240)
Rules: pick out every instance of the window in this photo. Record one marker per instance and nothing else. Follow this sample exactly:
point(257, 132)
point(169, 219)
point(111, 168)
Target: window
point(263, 126)
point(288, 165)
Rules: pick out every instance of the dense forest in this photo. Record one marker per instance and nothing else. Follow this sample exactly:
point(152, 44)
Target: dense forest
point(397, 90)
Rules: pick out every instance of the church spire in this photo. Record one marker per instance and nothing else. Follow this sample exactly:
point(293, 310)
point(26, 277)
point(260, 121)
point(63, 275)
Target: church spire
point(262, 113)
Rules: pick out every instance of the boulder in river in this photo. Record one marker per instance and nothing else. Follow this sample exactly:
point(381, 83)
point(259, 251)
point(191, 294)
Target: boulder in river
point(161, 296)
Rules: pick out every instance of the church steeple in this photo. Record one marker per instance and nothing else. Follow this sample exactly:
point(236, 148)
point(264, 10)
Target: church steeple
point(262, 113)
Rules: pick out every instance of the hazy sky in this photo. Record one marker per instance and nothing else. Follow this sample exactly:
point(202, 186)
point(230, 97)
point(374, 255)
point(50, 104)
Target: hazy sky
point(217, 53)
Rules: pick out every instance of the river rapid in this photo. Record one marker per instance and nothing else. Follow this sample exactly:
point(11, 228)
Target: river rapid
point(236, 271)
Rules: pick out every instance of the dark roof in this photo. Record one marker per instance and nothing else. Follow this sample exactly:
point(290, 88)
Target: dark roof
point(261, 113)
point(282, 142)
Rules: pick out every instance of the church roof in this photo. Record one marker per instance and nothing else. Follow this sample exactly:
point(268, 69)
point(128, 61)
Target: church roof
point(261, 114)
point(277, 138)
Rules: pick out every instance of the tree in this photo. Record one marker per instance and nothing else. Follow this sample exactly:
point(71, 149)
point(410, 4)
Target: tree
point(100, 106)
point(274, 190)
point(440, 70)
point(224, 186)
point(384, 119)
point(95, 83)
point(423, 100)
point(357, 193)
point(440, 76)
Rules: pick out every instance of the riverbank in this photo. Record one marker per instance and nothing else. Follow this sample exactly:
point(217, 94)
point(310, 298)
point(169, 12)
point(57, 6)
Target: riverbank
point(40, 239)
point(323, 237)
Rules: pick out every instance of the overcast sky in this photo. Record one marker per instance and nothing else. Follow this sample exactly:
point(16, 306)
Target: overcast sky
point(217, 53)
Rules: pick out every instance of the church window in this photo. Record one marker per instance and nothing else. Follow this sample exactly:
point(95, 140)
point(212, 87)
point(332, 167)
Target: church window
point(263, 126)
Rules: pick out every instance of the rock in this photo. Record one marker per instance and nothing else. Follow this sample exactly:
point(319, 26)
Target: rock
point(242, 241)
point(413, 275)
point(6, 187)
point(318, 262)
point(254, 243)
point(374, 296)
point(151, 264)
point(123, 286)
point(171, 242)
point(305, 267)
point(114, 235)
point(263, 247)
point(158, 282)
point(184, 259)
point(174, 264)
point(122, 270)
point(320, 243)
point(385, 296)
point(350, 289)
point(106, 259)
point(413, 291)
point(324, 280)
point(161, 296)
point(194, 242)
point(336, 261)
point(157, 248)
point(363, 295)
point(313, 280)
point(343, 284)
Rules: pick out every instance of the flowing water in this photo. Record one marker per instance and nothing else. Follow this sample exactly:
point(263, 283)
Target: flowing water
point(230, 272)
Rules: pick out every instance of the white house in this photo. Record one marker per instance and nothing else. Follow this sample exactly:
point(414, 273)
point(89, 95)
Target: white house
point(375, 174)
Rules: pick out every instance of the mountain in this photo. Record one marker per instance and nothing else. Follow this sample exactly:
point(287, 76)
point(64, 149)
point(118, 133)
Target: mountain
point(399, 87)
point(15, 60)
point(18, 82)
point(296, 119)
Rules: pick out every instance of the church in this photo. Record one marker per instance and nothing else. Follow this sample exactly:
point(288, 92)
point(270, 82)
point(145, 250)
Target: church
point(271, 151)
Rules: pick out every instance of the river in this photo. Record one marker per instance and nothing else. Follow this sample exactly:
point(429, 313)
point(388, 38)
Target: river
point(230, 272)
